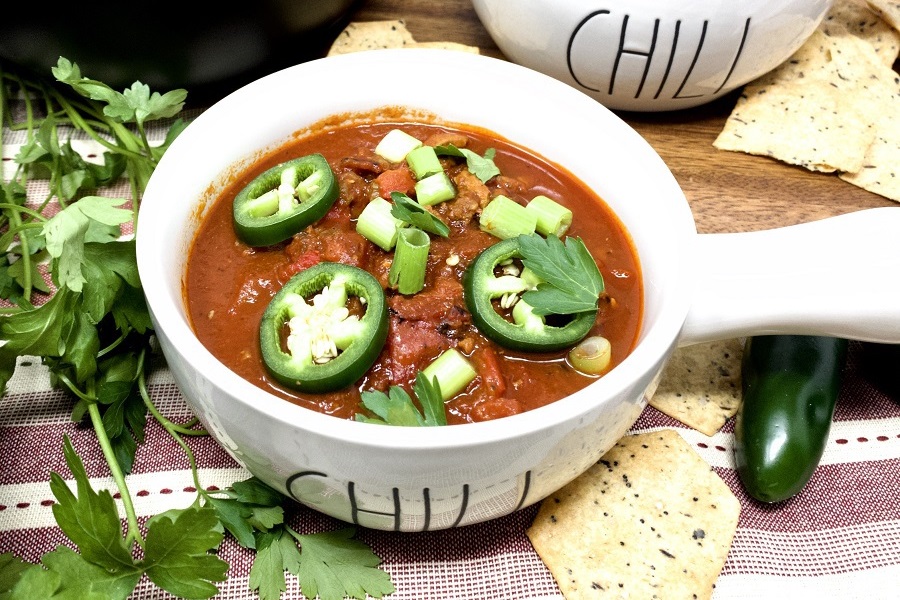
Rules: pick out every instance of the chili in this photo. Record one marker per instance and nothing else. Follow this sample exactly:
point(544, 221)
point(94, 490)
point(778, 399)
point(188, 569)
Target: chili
point(284, 199)
point(327, 348)
point(228, 284)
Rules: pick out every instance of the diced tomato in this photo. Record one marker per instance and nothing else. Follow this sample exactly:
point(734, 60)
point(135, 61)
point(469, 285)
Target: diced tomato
point(300, 263)
point(488, 366)
point(395, 180)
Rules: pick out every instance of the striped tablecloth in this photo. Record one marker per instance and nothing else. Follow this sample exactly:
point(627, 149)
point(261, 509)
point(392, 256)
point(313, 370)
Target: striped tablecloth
point(839, 539)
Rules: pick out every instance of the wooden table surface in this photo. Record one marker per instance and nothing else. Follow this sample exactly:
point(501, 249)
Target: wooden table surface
point(727, 191)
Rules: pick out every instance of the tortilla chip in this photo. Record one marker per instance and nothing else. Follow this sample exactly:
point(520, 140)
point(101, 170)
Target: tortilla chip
point(650, 520)
point(376, 35)
point(371, 35)
point(887, 10)
point(445, 46)
point(805, 112)
point(854, 17)
point(834, 105)
point(880, 172)
point(701, 385)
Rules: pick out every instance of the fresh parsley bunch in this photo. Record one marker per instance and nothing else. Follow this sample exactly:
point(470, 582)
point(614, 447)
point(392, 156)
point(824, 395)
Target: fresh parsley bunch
point(91, 327)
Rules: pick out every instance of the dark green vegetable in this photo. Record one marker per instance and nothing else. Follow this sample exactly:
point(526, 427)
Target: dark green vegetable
point(528, 330)
point(790, 386)
point(335, 348)
point(284, 199)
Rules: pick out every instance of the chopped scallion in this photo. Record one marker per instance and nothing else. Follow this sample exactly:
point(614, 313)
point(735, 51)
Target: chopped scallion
point(378, 225)
point(506, 218)
point(453, 372)
point(592, 356)
point(434, 188)
point(395, 145)
point(407, 274)
point(423, 161)
point(552, 217)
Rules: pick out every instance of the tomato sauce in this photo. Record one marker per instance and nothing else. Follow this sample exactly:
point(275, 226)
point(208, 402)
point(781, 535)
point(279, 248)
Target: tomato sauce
point(229, 284)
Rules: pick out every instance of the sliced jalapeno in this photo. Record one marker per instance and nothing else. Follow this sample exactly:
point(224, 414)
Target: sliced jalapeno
point(326, 348)
point(526, 330)
point(284, 199)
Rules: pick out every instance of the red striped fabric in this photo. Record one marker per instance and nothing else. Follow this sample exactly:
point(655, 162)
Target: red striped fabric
point(840, 538)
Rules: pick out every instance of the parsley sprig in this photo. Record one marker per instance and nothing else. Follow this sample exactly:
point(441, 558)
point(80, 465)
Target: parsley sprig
point(482, 167)
point(91, 327)
point(571, 281)
point(409, 211)
point(396, 407)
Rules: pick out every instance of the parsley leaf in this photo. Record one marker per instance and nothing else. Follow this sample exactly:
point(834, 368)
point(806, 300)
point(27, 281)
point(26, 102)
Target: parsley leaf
point(409, 211)
point(572, 283)
point(68, 576)
point(134, 105)
point(250, 506)
point(176, 553)
point(333, 566)
point(482, 167)
point(254, 491)
point(11, 569)
point(90, 519)
point(276, 553)
point(69, 173)
point(397, 408)
point(91, 219)
point(37, 332)
point(16, 272)
point(429, 395)
point(253, 509)
point(66, 330)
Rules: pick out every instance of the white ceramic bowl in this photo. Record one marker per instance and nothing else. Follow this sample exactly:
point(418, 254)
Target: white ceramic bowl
point(651, 55)
point(430, 478)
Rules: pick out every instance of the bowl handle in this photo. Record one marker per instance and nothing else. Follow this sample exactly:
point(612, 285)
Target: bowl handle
point(839, 276)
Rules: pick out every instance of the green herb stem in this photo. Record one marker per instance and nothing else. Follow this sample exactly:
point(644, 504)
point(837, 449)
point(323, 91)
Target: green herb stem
point(75, 389)
point(15, 222)
point(133, 534)
point(23, 209)
point(119, 131)
point(173, 429)
point(7, 239)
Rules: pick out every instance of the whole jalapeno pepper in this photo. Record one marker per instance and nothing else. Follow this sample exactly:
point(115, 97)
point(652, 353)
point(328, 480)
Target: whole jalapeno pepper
point(308, 338)
point(790, 387)
point(527, 331)
point(284, 199)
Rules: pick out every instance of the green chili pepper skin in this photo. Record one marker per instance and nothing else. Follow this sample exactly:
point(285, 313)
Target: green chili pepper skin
point(477, 286)
point(352, 362)
point(790, 387)
point(259, 227)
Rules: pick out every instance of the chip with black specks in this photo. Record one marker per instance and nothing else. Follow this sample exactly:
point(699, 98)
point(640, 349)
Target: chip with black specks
point(650, 519)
